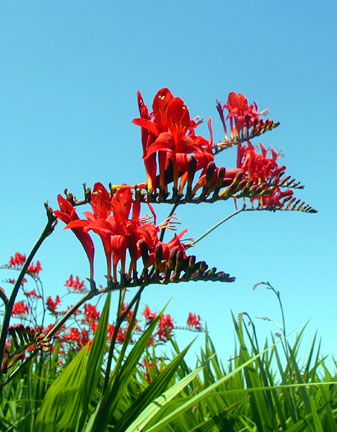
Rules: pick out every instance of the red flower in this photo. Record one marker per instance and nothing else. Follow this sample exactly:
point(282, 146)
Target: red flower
point(151, 129)
point(67, 213)
point(263, 169)
point(33, 294)
point(149, 366)
point(20, 308)
point(13, 281)
point(90, 313)
point(76, 284)
point(111, 329)
point(149, 316)
point(52, 304)
point(170, 132)
point(165, 327)
point(74, 335)
point(17, 260)
point(194, 321)
point(34, 270)
point(243, 114)
point(117, 221)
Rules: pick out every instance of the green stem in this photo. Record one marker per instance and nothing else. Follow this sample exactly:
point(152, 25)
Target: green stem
point(50, 334)
point(161, 238)
point(217, 225)
point(69, 312)
point(9, 306)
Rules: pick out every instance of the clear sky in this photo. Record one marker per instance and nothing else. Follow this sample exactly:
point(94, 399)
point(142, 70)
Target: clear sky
point(68, 80)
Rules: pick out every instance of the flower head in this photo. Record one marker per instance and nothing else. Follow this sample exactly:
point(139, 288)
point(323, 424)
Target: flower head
point(52, 304)
point(165, 327)
point(32, 294)
point(243, 114)
point(90, 313)
point(20, 308)
point(263, 168)
point(149, 316)
point(194, 321)
point(170, 133)
point(75, 284)
point(17, 260)
point(118, 222)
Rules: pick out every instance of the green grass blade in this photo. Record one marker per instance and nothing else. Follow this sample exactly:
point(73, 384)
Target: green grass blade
point(95, 359)
point(160, 402)
point(197, 398)
point(62, 404)
point(155, 389)
point(119, 380)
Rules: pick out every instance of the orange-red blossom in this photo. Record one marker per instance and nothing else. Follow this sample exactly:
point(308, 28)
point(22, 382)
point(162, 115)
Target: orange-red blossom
point(117, 221)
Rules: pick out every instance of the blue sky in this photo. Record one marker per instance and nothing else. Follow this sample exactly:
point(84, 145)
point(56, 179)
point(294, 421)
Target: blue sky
point(68, 80)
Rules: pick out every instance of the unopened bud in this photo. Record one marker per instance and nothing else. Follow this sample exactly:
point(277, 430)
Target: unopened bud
point(191, 262)
point(211, 272)
point(221, 176)
point(144, 251)
point(179, 260)
point(202, 266)
point(171, 263)
point(209, 174)
point(192, 165)
point(158, 255)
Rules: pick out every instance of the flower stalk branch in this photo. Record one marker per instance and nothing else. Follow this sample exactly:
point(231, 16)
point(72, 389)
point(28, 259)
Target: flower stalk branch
point(218, 224)
point(51, 223)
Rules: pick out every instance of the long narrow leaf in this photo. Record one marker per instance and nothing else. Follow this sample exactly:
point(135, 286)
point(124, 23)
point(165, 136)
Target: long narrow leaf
point(163, 422)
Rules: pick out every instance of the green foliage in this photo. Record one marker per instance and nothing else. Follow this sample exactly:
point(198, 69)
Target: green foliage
point(267, 389)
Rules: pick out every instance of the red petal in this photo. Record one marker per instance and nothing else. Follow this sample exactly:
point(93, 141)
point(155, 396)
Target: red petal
point(146, 124)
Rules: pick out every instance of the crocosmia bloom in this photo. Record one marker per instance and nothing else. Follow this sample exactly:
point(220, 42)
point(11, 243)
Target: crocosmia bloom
point(240, 112)
point(118, 222)
point(20, 308)
point(66, 214)
point(17, 260)
point(263, 168)
point(52, 304)
point(169, 133)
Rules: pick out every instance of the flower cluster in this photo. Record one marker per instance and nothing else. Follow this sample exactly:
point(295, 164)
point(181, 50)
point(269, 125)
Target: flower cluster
point(26, 334)
point(116, 219)
point(75, 285)
point(86, 322)
point(52, 304)
point(20, 308)
point(17, 261)
point(240, 114)
point(173, 153)
point(263, 169)
point(170, 132)
point(166, 323)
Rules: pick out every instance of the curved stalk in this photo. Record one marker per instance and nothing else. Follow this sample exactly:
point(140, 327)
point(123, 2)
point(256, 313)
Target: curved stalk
point(9, 306)
point(217, 225)
point(162, 233)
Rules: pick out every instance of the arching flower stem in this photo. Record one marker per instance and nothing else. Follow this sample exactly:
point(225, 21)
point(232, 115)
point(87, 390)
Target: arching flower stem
point(218, 224)
point(50, 225)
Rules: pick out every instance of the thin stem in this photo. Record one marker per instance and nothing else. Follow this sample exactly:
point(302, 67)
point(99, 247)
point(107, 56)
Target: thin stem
point(69, 312)
point(9, 306)
point(3, 297)
point(218, 224)
point(161, 238)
